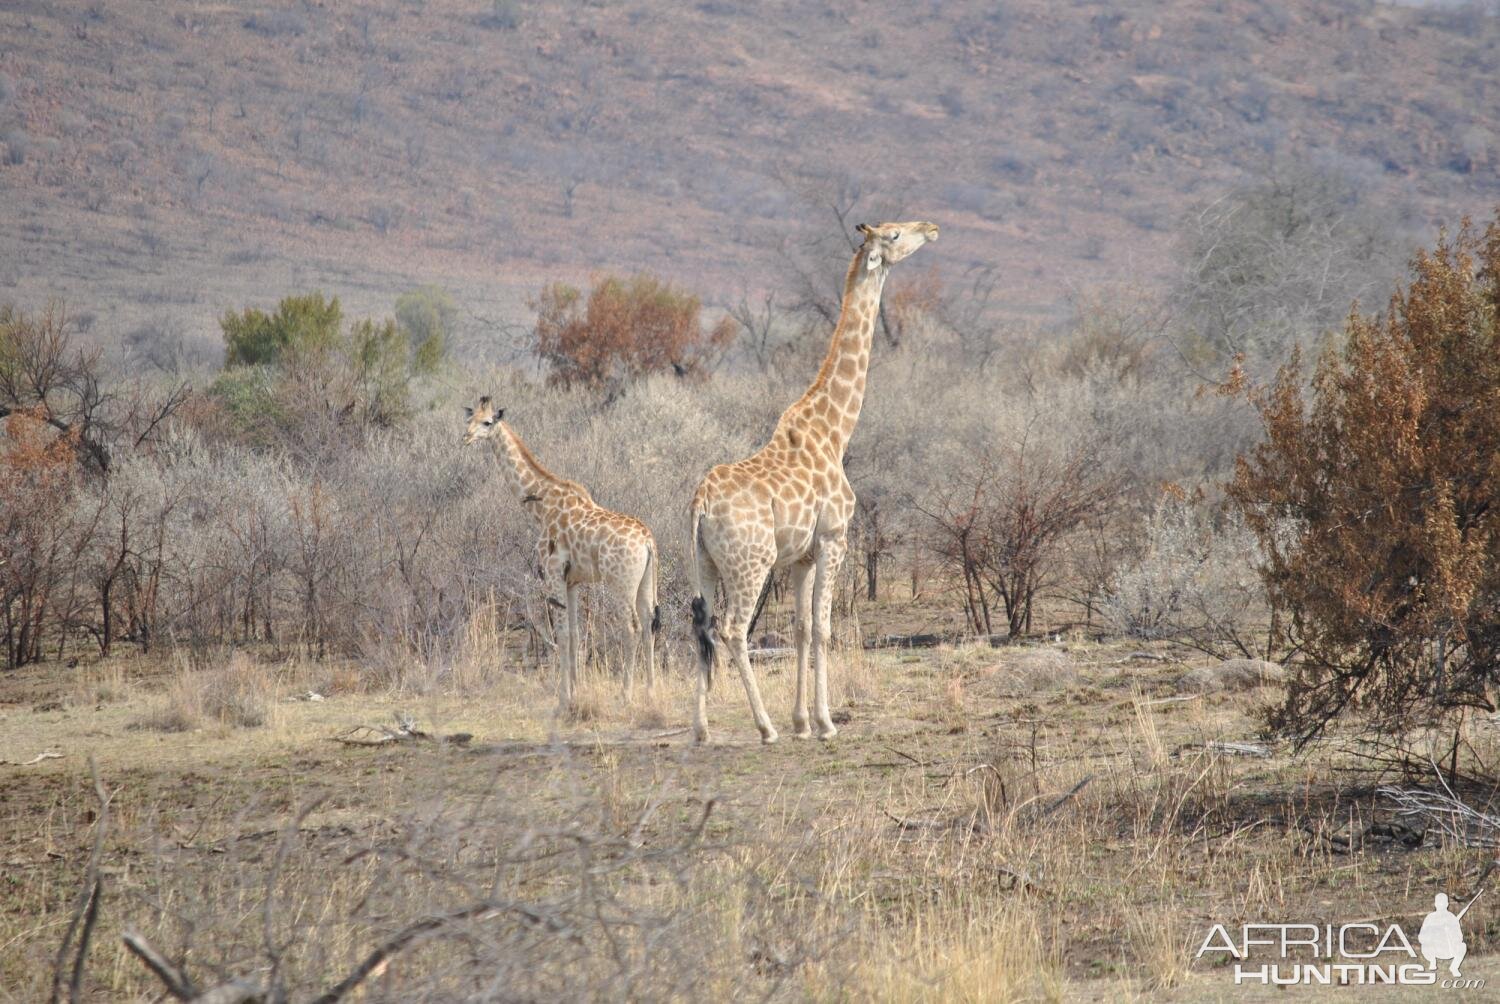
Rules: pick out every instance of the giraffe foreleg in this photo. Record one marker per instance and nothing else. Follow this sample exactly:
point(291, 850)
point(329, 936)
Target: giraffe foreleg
point(570, 675)
point(802, 580)
point(552, 569)
point(830, 557)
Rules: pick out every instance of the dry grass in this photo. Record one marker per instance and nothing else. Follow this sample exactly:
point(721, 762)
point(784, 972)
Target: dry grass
point(1045, 851)
point(240, 693)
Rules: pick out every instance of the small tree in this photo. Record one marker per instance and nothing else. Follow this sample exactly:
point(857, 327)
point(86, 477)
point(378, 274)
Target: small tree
point(42, 373)
point(1277, 261)
point(1002, 526)
point(625, 329)
point(298, 375)
point(1377, 504)
point(428, 317)
point(301, 323)
point(38, 475)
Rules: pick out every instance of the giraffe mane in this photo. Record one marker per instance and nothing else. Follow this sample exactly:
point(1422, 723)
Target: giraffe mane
point(856, 275)
point(531, 461)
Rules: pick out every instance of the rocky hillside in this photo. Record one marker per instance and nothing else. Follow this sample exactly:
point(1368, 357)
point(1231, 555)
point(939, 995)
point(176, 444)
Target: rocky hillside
point(165, 160)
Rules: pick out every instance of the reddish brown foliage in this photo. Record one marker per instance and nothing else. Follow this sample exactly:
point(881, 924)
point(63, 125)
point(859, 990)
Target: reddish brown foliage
point(38, 468)
point(624, 329)
point(1376, 501)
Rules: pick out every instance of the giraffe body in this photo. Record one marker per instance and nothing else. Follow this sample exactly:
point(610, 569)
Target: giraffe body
point(579, 542)
point(789, 504)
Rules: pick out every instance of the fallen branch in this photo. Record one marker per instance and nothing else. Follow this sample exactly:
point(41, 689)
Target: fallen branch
point(404, 731)
point(1226, 748)
point(1173, 700)
point(908, 757)
point(920, 824)
point(1049, 810)
point(1463, 825)
point(36, 759)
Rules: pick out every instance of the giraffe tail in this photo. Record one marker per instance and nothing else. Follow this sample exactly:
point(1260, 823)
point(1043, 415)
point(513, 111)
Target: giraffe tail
point(703, 625)
point(653, 566)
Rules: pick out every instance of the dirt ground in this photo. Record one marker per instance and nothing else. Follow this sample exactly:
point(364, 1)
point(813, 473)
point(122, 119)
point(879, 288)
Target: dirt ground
point(1019, 823)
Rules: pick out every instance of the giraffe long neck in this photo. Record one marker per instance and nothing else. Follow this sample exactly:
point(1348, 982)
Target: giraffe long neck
point(525, 475)
point(841, 379)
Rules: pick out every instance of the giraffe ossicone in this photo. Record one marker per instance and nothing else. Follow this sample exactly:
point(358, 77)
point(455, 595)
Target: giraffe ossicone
point(789, 504)
point(579, 542)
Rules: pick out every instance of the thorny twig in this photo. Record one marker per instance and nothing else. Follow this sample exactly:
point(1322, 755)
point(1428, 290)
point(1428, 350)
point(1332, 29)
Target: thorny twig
point(86, 910)
point(1459, 822)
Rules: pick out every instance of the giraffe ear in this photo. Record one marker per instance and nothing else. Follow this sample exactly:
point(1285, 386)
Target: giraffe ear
point(872, 261)
point(499, 414)
point(468, 413)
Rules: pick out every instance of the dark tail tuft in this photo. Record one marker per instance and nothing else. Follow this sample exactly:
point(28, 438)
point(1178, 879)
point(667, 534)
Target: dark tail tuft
point(703, 631)
point(656, 619)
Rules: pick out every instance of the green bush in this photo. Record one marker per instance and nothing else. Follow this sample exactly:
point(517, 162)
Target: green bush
point(300, 372)
point(427, 315)
point(307, 324)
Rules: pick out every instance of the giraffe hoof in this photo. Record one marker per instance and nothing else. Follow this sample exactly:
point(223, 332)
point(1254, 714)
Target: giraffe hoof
point(827, 731)
point(700, 736)
point(803, 731)
point(767, 738)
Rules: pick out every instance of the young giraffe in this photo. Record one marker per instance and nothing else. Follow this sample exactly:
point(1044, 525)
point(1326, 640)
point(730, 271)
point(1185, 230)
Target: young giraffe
point(790, 504)
point(580, 542)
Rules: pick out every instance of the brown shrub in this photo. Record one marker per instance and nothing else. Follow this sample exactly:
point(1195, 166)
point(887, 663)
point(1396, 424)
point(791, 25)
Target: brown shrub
point(624, 329)
point(1377, 503)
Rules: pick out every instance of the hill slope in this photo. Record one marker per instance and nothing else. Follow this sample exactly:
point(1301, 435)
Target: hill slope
point(167, 160)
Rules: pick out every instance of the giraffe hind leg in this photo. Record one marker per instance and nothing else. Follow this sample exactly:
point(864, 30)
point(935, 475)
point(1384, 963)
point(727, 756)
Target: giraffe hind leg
point(705, 631)
point(742, 594)
point(648, 615)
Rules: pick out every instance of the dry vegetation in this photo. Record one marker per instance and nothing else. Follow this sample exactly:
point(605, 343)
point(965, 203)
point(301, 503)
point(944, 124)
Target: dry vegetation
point(294, 629)
point(1142, 630)
point(162, 160)
point(299, 639)
point(1050, 822)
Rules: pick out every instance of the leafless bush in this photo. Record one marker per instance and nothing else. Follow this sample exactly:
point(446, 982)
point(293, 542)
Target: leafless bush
point(17, 145)
point(1195, 580)
point(1278, 261)
point(1001, 524)
point(232, 690)
point(598, 898)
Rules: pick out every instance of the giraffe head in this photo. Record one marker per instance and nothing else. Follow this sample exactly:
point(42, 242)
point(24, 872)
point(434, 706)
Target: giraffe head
point(482, 420)
point(887, 243)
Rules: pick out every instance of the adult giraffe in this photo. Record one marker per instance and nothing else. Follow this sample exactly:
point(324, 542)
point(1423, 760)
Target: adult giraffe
point(580, 542)
point(789, 504)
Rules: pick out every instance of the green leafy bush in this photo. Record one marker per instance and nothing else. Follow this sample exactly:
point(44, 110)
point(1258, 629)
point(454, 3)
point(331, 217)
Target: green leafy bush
point(428, 316)
point(299, 372)
point(300, 323)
